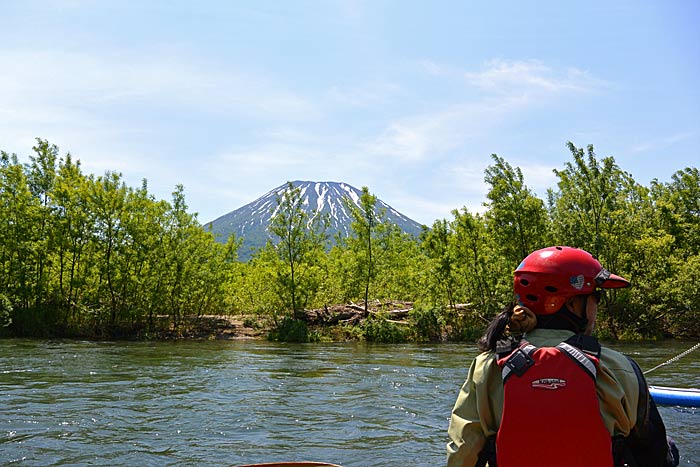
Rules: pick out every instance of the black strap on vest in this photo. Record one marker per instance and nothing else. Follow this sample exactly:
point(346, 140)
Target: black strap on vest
point(588, 344)
point(519, 361)
point(520, 354)
point(488, 453)
point(620, 452)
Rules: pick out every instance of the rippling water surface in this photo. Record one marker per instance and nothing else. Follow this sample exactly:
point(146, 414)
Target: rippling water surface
point(233, 402)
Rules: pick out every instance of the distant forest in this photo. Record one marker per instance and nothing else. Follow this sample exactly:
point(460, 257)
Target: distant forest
point(86, 255)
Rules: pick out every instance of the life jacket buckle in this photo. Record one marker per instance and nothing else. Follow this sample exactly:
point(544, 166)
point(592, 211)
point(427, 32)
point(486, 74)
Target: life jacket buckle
point(519, 362)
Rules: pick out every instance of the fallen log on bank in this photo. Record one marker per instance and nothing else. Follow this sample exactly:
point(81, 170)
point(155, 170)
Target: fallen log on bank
point(352, 313)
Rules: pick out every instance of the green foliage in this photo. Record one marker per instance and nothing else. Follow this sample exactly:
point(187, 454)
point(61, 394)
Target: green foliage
point(5, 311)
point(366, 226)
point(290, 330)
point(300, 244)
point(677, 310)
point(427, 323)
point(516, 218)
point(87, 255)
point(599, 207)
point(678, 207)
point(250, 322)
point(486, 276)
point(464, 324)
point(441, 279)
point(399, 261)
point(589, 209)
point(376, 328)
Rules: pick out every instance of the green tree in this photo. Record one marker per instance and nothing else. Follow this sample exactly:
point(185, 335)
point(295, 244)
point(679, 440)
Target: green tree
point(367, 225)
point(665, 262)
point(437, 244)
point(516, 218)
point(485, 275)
point(140, 275)
point(300, 240)
point(178, 256)
point(108, 198)
point(398, 258)
point(252, 290)
point(597, 207)
point(5, 311)
point(20, 212)
point(73, 234)
point(41, 176)
point(678, 205)
point(341, 283)
point(591, 193)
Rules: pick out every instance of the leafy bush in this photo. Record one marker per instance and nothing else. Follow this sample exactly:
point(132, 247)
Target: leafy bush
point(5, 311)
point(378, 329)
point(290, 330)
point(427, 323)
point(250, 322)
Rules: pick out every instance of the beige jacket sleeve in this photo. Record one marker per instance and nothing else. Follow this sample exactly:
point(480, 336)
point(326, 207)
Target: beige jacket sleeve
point(618, 392)
point(476, 414)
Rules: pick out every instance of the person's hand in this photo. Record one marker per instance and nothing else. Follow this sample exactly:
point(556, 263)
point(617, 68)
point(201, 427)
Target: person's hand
point(522, 320)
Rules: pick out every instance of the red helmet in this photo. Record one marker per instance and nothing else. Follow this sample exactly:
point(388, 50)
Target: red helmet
point(547, 277)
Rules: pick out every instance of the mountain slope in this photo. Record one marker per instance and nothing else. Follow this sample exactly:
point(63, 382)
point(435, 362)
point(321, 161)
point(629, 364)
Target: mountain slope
point(251, 221)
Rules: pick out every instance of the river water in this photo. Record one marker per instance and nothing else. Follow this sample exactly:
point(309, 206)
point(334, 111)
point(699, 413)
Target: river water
point(233, 402)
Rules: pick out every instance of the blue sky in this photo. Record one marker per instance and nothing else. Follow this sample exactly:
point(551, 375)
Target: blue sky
point(409, 98)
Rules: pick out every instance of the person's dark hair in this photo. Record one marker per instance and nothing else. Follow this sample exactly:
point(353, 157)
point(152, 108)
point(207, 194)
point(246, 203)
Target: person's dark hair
point(562, 319)
point(496, 329)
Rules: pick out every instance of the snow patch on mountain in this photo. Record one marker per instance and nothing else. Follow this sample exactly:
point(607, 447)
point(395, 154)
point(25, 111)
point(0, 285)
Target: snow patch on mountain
point(251, 221)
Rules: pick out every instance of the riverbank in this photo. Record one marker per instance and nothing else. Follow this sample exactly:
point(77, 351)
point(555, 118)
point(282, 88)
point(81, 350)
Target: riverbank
point(382, 322)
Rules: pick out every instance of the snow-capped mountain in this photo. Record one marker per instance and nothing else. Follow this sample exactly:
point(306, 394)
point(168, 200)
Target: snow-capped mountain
point(251, 221)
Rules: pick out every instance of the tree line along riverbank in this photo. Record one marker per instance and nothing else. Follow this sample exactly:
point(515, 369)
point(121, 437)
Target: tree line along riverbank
point(86, 255)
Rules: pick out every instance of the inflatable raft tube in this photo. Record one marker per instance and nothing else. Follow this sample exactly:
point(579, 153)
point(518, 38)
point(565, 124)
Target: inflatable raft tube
point(675, 396)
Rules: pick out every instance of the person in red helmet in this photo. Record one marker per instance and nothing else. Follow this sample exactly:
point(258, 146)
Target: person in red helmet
point(544, 392)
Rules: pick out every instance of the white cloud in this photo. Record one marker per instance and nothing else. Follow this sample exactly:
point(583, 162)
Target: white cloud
point(113, 113)
point(92, 83)
point(436, 69)
point(407, 140)
point(662, 142)
point(74, 105)
point(507, 89)
point(530, 77)
point(370, 95)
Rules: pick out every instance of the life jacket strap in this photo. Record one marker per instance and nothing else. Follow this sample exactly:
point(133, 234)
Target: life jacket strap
point(588, 344)
point(487, 456)
point(579, 357)
point(519, 361)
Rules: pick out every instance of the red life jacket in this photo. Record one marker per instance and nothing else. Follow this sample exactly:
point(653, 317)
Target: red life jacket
point(551, 415)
